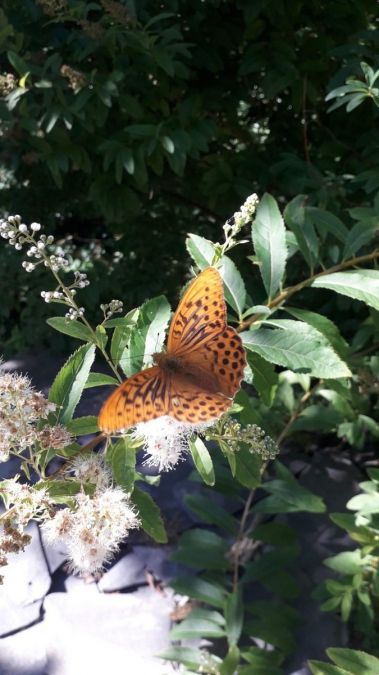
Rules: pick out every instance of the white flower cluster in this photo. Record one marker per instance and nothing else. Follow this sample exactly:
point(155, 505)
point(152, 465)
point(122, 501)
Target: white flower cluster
point(245, 214)
point(74, 313)
point(112, 307)
point(27, 501)
point(91, 468)
point(81, 280)
point(20, 408)
point(19, 235)
point(51, 296)
point(92, 532)
point(166, 440)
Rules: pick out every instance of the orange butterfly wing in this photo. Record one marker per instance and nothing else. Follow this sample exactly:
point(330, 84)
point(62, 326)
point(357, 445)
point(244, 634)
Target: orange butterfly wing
point(201, 314)
point(205, 345)
point(224, 357)
point(142, 397)
point(190, 403)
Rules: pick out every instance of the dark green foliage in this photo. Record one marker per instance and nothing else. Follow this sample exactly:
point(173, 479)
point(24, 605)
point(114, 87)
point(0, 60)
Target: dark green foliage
point(152, 121)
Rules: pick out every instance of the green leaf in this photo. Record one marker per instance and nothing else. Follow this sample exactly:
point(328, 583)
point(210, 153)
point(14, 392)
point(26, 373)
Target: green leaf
point(320, 668)
point(265, 378)
point(317, 417)
point(233, 617)
point(359, 236)
point(148, 334)
point(121, 334)
point(366, 504)
point(123, 460)
point(264, 662)
point(275, 534)
point(328, 222)
point(288, 496)
point(298, 220)
point(230, 662)
point(100, 380)
point(269, 240)
point(202, 251)
point(190, 629)
point(347, 562)
point(354, 661)
point(150, 515)
point(248, 467)
point(17, 62)
point(212, 513)
point(202, 460)
point(360, 284)
point(82, 426)
point(202, 549)
point(73, 328)
point(189, 657)
point(324, 326)
point(297, 346)
point(197, 588)
point(68, 385)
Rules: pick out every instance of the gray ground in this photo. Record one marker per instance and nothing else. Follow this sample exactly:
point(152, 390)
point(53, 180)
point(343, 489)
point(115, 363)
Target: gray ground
point(52, 623)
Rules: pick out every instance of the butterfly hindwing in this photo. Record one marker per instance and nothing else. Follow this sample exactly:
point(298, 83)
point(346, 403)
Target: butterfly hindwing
point(201, 314)
point(190, 403)
point(141, 398)
point(224, 357)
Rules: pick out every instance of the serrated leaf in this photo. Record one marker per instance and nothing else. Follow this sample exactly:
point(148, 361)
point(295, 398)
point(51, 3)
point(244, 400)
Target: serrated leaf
point(362, 284)
point(73, 328)
point(324, 326)
point(202, 460)
point(150, 515)
point(288, 495)
point(269, 240)
point(265, 379)
point(148, 334)
point(297, 346)
point(83, 425)
point(202, 251)
point(68, 385)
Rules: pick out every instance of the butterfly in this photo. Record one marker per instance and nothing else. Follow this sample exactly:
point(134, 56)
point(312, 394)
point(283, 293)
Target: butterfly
point(196, 379)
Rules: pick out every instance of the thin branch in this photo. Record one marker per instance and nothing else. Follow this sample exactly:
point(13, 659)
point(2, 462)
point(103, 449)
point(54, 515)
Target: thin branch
point(291, 290)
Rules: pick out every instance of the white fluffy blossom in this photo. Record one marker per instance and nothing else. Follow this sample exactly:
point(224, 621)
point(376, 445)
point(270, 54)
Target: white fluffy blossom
point(91, 468)
point(166, 440)
point(94, 530)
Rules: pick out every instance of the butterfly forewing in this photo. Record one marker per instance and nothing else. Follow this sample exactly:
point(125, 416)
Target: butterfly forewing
point(141, 398)
point(201, 314)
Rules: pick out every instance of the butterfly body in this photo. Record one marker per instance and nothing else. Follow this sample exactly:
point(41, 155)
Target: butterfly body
point(196, 379)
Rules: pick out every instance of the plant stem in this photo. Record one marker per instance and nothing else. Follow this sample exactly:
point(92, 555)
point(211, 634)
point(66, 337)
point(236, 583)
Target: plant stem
point(74, 304)
point(291, 290)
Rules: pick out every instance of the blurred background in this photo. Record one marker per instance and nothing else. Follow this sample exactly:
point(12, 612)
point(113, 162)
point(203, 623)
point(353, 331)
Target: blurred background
point(126, 125)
